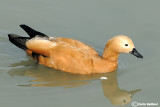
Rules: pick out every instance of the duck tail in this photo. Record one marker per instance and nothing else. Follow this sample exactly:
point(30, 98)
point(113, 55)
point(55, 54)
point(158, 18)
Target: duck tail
point(18, 40)
point(31, 32)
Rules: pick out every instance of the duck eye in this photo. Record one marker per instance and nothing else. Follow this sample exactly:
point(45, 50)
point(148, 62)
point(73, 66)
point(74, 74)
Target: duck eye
point(126, 44)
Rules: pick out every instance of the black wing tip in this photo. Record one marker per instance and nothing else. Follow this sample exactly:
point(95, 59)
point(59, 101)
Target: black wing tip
point(9, 35)
point(17, 40)
point(13, 35)
point(31, 32)
point(23, 26)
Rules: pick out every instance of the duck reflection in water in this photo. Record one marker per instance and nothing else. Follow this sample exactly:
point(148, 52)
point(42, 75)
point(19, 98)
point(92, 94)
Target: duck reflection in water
point(47, 77)
point(112, 91)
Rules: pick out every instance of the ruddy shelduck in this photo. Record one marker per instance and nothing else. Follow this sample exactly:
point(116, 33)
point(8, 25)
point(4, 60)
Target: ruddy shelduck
point(71, 55)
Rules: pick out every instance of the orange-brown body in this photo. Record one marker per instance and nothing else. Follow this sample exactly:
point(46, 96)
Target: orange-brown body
point(72, 56)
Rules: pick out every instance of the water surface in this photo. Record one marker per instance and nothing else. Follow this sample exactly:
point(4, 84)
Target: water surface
point(25, 84)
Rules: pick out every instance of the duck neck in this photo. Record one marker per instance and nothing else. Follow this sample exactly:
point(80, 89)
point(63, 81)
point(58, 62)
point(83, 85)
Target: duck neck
point(110, 55)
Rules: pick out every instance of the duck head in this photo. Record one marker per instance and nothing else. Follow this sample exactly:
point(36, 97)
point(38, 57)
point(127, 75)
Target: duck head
point(122, 44)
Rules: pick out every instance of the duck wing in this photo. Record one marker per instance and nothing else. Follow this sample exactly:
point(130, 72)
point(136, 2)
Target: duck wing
point(40, 45)
point(79, 45)
point(44, 46)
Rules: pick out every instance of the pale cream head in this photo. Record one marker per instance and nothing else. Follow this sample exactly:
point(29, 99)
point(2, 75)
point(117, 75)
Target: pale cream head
point(120, 44)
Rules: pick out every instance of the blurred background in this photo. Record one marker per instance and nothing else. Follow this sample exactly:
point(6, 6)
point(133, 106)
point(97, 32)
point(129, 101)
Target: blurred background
point(25, 84)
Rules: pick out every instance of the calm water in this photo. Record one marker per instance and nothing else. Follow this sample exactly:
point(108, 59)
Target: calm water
point(25, 84)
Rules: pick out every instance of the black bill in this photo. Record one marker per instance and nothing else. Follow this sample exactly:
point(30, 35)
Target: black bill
point(135, 53)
